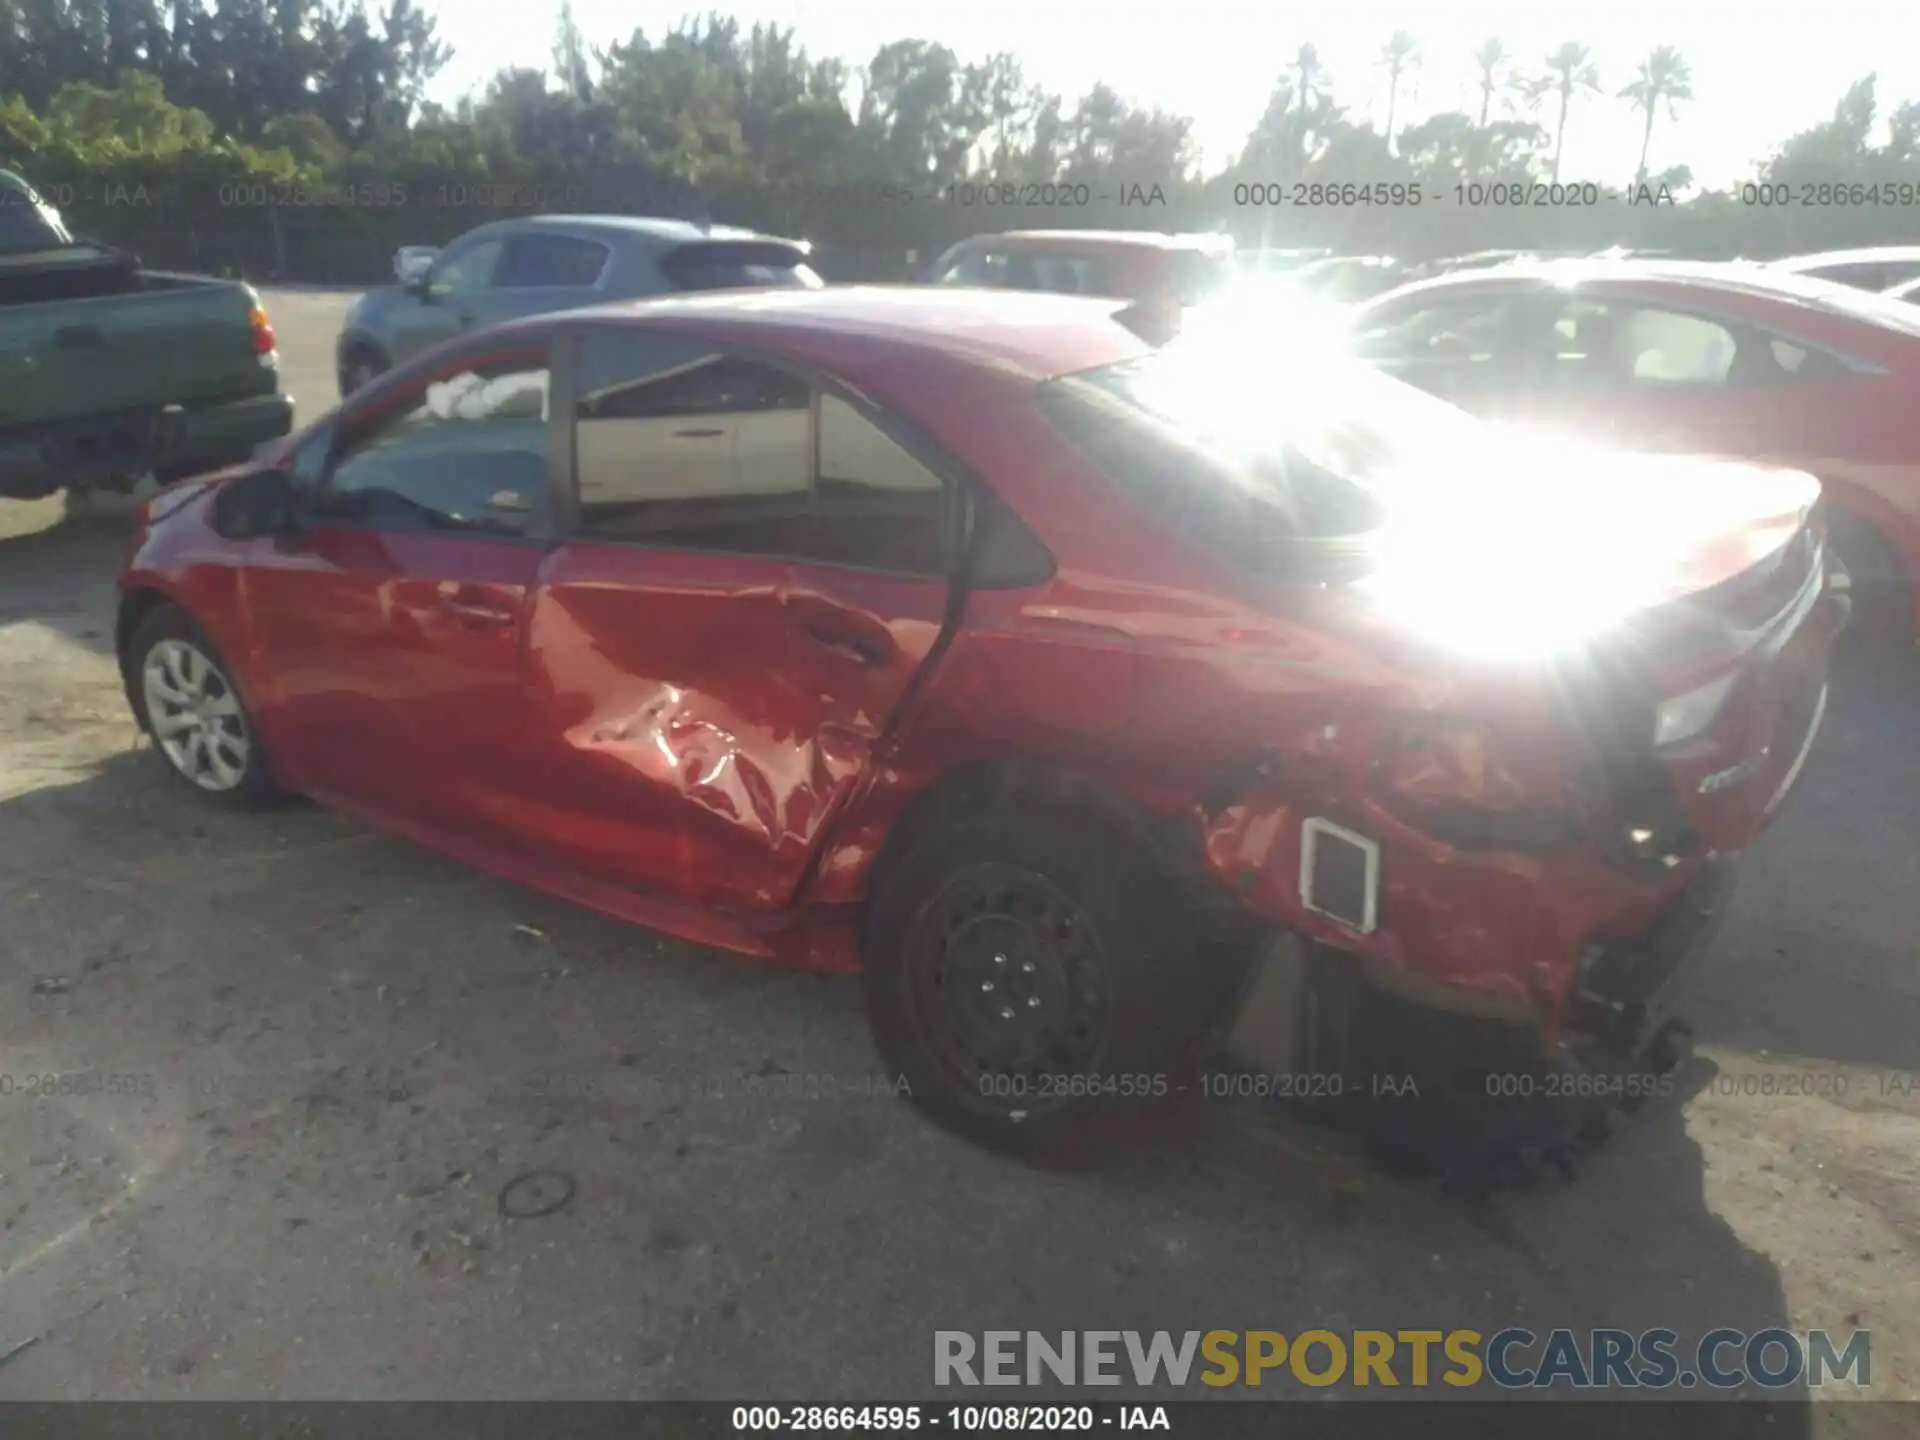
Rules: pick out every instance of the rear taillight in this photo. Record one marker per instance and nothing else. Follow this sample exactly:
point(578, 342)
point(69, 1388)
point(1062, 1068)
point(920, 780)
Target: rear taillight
point(263, 341)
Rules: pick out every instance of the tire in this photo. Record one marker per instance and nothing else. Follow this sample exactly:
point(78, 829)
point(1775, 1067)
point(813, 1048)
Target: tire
point(1032, 905)
point(359, 367)
point(219, 755)
point(1882, 600)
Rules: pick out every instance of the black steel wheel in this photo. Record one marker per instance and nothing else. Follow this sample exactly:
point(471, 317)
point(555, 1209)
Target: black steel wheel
point(1022, 971)
point(1014, 983)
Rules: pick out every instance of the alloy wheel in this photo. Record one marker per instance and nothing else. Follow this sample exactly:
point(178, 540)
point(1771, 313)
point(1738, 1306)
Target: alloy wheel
point(195, 715)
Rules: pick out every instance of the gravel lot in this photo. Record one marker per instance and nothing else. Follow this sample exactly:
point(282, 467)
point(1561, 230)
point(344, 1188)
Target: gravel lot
point(351, 1046)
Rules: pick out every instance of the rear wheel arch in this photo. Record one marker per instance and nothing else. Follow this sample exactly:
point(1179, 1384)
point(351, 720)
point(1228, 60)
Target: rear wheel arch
point(1020, 781)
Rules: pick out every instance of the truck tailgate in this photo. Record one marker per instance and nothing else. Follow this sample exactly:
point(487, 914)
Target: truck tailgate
point(179, 340)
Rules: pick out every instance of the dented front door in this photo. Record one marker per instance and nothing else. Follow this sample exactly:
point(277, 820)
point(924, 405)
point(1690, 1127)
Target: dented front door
point(706, 715)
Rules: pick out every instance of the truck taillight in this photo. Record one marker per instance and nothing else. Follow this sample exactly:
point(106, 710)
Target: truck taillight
point(263, 341)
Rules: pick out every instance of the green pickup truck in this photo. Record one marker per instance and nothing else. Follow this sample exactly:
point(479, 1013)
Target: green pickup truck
point(108, 371)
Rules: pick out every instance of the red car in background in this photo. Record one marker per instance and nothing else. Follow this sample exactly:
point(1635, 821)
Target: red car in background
point(1738, 361)
point(964, 640)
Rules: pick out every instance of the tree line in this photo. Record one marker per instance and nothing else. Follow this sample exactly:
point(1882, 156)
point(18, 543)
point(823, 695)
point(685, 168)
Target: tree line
point(292, 139)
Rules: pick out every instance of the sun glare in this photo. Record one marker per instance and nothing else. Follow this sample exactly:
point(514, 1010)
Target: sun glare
point(1501, 543)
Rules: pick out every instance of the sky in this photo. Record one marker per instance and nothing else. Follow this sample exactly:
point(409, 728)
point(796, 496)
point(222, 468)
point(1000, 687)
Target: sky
point(1761, 72)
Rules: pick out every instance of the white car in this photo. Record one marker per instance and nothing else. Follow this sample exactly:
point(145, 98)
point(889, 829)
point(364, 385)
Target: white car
point(1878, 267)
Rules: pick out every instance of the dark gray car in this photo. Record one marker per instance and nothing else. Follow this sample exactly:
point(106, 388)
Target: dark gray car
point(511, 268)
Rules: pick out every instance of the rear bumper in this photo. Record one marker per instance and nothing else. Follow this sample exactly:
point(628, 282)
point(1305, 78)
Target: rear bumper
point(1734, 780)
point(1626, 989)
point(39, 460)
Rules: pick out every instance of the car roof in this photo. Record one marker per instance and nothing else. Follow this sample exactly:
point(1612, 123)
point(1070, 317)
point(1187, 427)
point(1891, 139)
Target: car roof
point(1036, 335)
point(1739, 280)
point(659, 229)
point(1865, 255)
point(1730, 278)
point(1116, 239)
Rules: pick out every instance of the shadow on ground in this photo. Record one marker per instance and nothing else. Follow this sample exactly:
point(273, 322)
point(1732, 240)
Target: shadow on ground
point(354, 1046)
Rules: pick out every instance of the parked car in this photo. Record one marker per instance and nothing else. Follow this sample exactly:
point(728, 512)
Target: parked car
point(1347, 279)
point(1743, 361)
point(1164, 274)
point(511, 268)
point(1271, 260)
point(109, 371)
point(1477, 260)
point(965, 640)
point(1878, 267)
point(1487, 259)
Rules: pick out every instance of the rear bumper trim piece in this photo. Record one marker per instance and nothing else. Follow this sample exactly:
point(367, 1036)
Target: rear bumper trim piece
point(1800, 760)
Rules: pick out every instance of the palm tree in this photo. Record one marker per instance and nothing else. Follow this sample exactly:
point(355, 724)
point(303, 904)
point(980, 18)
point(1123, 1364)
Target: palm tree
point(1308, 75)
point(1663, 76)
point(1400, 54)
point(1493, 63)
point(1570, 68)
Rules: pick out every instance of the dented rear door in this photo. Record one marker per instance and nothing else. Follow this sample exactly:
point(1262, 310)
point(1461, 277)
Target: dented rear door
point(714, 670)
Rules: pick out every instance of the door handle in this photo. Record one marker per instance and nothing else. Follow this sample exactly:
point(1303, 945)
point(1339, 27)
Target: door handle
point(865, 651)
point(469, 607)
point(698, 434)
point(473, 612)
point(466, 320)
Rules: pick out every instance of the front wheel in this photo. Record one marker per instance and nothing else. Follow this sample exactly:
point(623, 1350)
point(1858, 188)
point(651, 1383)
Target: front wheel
point(1023, 973)
point(185, 698)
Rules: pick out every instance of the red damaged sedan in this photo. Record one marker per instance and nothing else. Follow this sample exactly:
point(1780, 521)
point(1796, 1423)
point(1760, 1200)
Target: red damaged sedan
point(1046, 679)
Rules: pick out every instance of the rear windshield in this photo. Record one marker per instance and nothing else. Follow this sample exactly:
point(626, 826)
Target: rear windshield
point(1247, 462)
point(1199, 275)
point(27, 225)
point(747, 264)
point(1886, 311)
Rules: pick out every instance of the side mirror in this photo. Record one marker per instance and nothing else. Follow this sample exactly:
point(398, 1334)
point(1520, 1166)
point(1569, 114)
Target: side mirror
point(254, 505)
point(417, 285)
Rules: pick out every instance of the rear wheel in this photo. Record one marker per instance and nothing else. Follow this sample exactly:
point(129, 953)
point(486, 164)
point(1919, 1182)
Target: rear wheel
point(185, 698)
point(1882, 601)
point(1020, 971)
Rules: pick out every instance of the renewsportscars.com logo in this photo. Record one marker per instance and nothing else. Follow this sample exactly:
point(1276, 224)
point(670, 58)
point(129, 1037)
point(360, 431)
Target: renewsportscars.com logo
point(1512, 1359)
